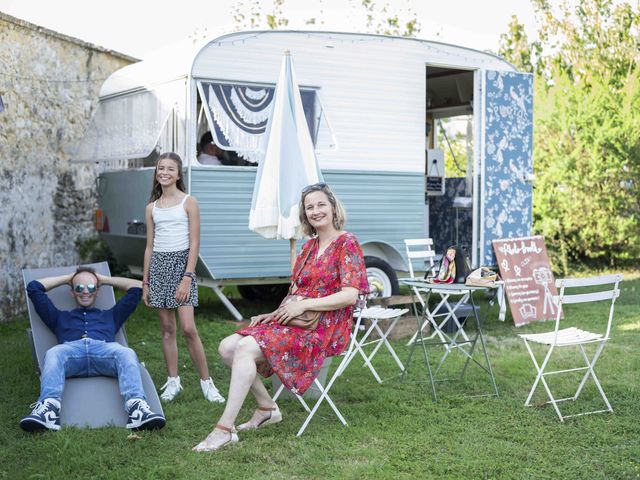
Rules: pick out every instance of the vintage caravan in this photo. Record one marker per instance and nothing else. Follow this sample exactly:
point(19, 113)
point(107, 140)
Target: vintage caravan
point(373, 105)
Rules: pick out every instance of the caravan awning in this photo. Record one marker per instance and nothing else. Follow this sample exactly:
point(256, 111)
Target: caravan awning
point(238, 113)
point(128, 126)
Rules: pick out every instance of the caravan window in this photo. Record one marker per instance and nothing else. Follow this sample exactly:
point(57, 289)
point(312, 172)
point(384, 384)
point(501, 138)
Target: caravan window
point(237, 116)
point(129, 126)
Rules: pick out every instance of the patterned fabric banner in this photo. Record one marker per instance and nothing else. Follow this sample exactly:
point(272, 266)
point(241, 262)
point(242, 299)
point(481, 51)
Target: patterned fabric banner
point(508, 151)
point(240, 114)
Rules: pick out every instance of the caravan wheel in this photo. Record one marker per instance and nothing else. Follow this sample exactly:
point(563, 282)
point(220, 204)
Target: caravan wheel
point(383, 281)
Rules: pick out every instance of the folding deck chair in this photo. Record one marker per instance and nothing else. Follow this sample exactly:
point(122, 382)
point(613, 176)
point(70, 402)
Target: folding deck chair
point(88, 401)
point(357, 345)
point(574, 337)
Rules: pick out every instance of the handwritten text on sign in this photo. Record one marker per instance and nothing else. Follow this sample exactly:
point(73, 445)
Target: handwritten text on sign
point(529, 283)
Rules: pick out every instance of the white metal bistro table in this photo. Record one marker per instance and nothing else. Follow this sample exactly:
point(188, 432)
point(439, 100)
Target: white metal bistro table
point(437, 318)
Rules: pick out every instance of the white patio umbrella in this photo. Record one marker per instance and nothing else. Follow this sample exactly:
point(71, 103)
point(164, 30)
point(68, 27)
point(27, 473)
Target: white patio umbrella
point(289, 164)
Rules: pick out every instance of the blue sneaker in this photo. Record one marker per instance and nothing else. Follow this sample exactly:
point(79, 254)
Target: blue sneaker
point(141, 417)
point(44, 416)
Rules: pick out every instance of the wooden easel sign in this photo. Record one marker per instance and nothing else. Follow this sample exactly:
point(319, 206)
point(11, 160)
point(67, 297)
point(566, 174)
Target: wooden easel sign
point(528, 280)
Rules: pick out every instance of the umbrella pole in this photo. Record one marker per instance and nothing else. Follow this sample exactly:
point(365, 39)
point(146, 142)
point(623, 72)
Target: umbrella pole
point(292, 247)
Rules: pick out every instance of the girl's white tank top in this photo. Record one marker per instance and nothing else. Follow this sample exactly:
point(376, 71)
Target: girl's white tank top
point(171, 226)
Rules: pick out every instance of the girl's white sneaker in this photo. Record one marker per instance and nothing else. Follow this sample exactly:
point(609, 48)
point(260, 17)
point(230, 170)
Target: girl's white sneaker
point(210, 391)
point(171, 388)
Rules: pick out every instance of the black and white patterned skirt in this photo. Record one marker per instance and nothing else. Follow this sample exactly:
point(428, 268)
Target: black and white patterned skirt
point(165, 274)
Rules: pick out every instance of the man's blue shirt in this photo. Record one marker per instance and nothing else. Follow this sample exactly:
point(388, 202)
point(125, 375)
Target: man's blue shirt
point(70, 325)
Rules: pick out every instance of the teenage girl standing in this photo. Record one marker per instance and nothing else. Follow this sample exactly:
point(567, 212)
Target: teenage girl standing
point(169, 281)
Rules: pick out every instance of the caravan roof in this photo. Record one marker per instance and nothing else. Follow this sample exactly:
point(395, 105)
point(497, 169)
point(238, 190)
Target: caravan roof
point(188, 56)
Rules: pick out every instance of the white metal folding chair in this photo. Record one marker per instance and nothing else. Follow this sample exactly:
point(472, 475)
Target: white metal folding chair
point(420, 249)
point(375, 315)
point(574, 337)
point(448, 308)
point(356, 345)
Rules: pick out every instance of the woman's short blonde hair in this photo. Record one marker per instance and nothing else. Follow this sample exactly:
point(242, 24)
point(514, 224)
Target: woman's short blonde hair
point(339, 213)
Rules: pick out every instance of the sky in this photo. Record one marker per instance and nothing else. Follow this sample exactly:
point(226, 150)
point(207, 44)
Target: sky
point(137, 27)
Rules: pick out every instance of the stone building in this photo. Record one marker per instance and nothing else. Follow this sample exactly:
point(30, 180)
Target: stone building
point(49, 85)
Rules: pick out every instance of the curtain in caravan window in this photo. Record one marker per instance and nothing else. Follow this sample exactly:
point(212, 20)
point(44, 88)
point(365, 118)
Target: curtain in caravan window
point(238, 114)
point(127, 126)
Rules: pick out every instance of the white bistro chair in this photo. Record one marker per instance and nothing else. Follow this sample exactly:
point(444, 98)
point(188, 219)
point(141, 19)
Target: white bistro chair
point(451, 305)
point(375, 315)
point(357, 344)
point(420, 249)
point(574, 337)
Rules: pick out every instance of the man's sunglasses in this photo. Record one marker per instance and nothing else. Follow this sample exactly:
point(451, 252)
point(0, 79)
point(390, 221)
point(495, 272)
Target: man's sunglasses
point(79, 288)
point(315, 186)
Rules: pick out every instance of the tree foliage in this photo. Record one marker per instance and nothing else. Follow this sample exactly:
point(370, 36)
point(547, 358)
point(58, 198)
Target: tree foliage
point(587, 126)
point(380, 20)
point(453, 140)
point(374, 17)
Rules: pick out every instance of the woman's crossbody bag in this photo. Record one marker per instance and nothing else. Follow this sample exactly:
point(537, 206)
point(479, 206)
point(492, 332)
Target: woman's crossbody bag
point(307, 320)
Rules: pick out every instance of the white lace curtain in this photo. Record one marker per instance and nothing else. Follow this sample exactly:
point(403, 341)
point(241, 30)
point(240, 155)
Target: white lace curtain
point(130, 126)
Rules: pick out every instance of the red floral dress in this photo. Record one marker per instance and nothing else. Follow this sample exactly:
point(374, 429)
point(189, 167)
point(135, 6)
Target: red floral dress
point(294, 354)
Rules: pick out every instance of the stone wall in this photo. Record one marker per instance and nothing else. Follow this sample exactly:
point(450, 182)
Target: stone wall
point(49, 85)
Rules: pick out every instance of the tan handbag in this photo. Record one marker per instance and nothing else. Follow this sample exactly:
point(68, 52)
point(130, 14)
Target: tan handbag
point(308, 320)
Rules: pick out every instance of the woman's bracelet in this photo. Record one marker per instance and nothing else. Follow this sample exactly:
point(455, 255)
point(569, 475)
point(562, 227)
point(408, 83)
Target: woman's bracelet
point(191, 275)
point(145, 283)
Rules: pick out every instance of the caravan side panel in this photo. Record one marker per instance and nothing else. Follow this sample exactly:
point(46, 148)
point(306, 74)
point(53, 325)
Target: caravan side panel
point(372, 90)
point(382, 208)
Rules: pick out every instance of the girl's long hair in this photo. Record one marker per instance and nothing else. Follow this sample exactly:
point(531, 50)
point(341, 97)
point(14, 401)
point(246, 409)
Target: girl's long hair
point(156, 189)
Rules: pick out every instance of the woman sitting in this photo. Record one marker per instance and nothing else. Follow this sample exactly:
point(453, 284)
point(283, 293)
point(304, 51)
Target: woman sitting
point(330, 272)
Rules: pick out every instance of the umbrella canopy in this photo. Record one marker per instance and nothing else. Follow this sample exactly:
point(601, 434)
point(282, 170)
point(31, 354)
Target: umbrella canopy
point(289, 163)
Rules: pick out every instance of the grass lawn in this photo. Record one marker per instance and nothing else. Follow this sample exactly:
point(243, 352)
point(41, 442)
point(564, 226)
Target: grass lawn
point(395, 430)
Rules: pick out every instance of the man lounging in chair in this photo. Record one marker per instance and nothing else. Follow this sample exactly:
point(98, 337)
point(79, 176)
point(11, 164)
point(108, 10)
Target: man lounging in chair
point(87, 347)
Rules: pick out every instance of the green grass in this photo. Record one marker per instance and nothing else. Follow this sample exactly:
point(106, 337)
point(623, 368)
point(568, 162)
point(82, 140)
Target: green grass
point(395, 430)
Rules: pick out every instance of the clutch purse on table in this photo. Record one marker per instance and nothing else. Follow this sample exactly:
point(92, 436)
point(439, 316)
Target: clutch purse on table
point(482, 277)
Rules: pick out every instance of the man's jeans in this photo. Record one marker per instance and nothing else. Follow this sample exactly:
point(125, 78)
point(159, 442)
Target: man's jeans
point(90, 358)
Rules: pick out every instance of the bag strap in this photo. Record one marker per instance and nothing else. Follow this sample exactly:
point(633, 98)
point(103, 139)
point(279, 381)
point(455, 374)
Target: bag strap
point(296, 274)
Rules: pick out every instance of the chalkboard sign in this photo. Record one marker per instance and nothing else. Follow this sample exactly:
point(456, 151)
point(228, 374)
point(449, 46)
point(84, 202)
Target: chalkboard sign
point(528, 280)
point(435, 185)
point(434, 180)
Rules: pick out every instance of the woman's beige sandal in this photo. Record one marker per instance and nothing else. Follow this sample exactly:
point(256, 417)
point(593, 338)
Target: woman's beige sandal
point(207, 444)
point(274, 417)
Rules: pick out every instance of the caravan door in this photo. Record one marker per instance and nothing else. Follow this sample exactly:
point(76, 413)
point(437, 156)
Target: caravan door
point(506, 160)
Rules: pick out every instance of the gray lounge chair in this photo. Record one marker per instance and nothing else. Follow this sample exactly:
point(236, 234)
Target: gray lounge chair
point(86, 402)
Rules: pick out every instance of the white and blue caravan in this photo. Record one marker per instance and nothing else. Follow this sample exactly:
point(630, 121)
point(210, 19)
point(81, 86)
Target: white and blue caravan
point(372, 104)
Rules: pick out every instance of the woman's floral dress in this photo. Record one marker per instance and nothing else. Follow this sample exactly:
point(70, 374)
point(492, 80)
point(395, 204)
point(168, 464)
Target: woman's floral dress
point(294, 354)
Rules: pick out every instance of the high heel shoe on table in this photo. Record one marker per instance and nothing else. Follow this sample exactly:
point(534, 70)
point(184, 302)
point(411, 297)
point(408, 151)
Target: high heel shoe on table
point(274, 417)
point(205, 445)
